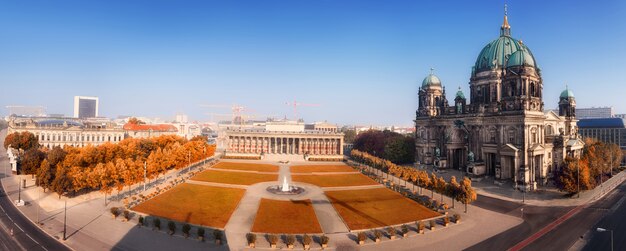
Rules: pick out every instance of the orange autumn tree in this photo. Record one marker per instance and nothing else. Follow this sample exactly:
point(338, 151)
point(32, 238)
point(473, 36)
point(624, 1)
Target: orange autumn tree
point(113, 166)
point(568, 177)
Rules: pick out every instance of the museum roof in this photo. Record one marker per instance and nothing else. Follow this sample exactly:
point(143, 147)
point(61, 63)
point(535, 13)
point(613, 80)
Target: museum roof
point(145, 127)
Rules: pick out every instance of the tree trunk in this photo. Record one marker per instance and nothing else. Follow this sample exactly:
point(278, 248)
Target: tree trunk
point(465, 207)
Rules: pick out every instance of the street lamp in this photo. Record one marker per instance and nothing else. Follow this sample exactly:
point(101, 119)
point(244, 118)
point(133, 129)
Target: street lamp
point(65, 221)
point(578, 174)
point(145, 163)
point(604, 230)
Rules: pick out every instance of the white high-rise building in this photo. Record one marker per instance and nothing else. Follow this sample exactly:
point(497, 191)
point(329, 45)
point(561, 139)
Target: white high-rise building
point(85, 107)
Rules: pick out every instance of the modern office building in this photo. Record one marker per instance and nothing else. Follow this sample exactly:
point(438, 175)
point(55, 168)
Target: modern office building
point(594, 113)
point(607, 130)
point(85, 107)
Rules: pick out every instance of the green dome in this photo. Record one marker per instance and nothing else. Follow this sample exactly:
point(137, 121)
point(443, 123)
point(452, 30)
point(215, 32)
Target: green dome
point(567, 93)
point(459, 94)
point(520, 58)
point(498, 52)
point(431, 80)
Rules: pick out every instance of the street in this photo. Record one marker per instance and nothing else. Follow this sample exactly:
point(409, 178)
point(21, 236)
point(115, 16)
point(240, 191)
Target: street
point(614, 220)
point(535, 218)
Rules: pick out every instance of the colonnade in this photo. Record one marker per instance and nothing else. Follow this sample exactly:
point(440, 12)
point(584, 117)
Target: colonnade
point(285, 145)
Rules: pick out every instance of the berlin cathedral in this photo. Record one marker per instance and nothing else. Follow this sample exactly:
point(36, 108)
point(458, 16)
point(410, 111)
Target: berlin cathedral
point(503, 131)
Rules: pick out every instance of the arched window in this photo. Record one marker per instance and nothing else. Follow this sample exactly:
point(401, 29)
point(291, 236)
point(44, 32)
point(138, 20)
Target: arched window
point(549, 130)
point(533, 89)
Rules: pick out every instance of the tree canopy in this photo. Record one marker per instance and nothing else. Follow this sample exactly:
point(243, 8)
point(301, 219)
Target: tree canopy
point(392, 146)
point(21, 140)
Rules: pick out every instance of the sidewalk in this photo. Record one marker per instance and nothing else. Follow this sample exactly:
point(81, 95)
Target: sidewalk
point(90, 225)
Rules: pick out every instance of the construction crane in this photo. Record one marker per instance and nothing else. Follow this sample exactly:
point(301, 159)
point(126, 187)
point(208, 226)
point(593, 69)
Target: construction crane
point(237, 116)
point(295, 105)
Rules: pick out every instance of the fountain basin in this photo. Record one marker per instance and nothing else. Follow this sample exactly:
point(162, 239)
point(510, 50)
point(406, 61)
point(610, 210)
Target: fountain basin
point(281, 190)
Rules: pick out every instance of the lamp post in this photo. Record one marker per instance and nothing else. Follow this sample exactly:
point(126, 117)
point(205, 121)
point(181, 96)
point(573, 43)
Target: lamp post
point(145, 169)
point(19, 191)
point(188, 161)
point(604, 230)
point(38, 201)
point(65, 221)
point(578, 174)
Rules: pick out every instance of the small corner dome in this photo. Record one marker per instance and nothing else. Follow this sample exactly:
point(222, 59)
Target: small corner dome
point(520, 58)
point(431, 80)
point(459, 94)
point(567, 93)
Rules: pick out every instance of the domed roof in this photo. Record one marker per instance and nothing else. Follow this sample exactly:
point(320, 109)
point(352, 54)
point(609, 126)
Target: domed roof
point(520, 58)
point(497, 52)
point(459, 94)
point(567, 93)
point(431, 80)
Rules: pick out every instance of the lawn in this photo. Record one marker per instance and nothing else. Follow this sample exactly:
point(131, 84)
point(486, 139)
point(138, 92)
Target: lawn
point(371, 208)
point(335, 180)
point(196, 204)
point(321, 168)
point(236, 178)
point(246, 167)
point(289, 217)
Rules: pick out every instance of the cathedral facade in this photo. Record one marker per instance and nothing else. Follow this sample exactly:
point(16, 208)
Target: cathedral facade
point(503, 131)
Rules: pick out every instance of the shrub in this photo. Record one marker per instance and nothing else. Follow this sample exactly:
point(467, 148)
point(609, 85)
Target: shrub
point(362, 236)
point(324, 239)
point(290, 239)
point(405, 229)
point(251, 238)
point(171, 226)
point(432, 224)
point(391, 231)
point(140, 222)
point(157, 223)
point(378, 234)
point(126, 214)
point(420, 225)
point(217, 234)
point(306, 239)
point(201, 232)
point(273, 239)
point(186, 229)
point(114, 212)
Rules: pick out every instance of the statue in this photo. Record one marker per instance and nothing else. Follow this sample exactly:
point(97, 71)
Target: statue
point(437, 152)
point(470, 157)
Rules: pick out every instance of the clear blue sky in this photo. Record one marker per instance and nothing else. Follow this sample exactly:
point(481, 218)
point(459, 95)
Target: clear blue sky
point(363, 61)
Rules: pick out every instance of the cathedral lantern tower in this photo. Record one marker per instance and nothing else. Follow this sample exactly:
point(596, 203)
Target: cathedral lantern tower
point(432, 97)
point(567, 109)
point(459, 102)
point(567, 103)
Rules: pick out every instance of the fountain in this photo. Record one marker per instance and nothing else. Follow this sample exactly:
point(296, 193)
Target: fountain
point(285, 188)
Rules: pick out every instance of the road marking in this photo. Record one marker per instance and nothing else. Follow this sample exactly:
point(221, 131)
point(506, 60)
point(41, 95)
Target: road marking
point(546, 229)
point(12, 221)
